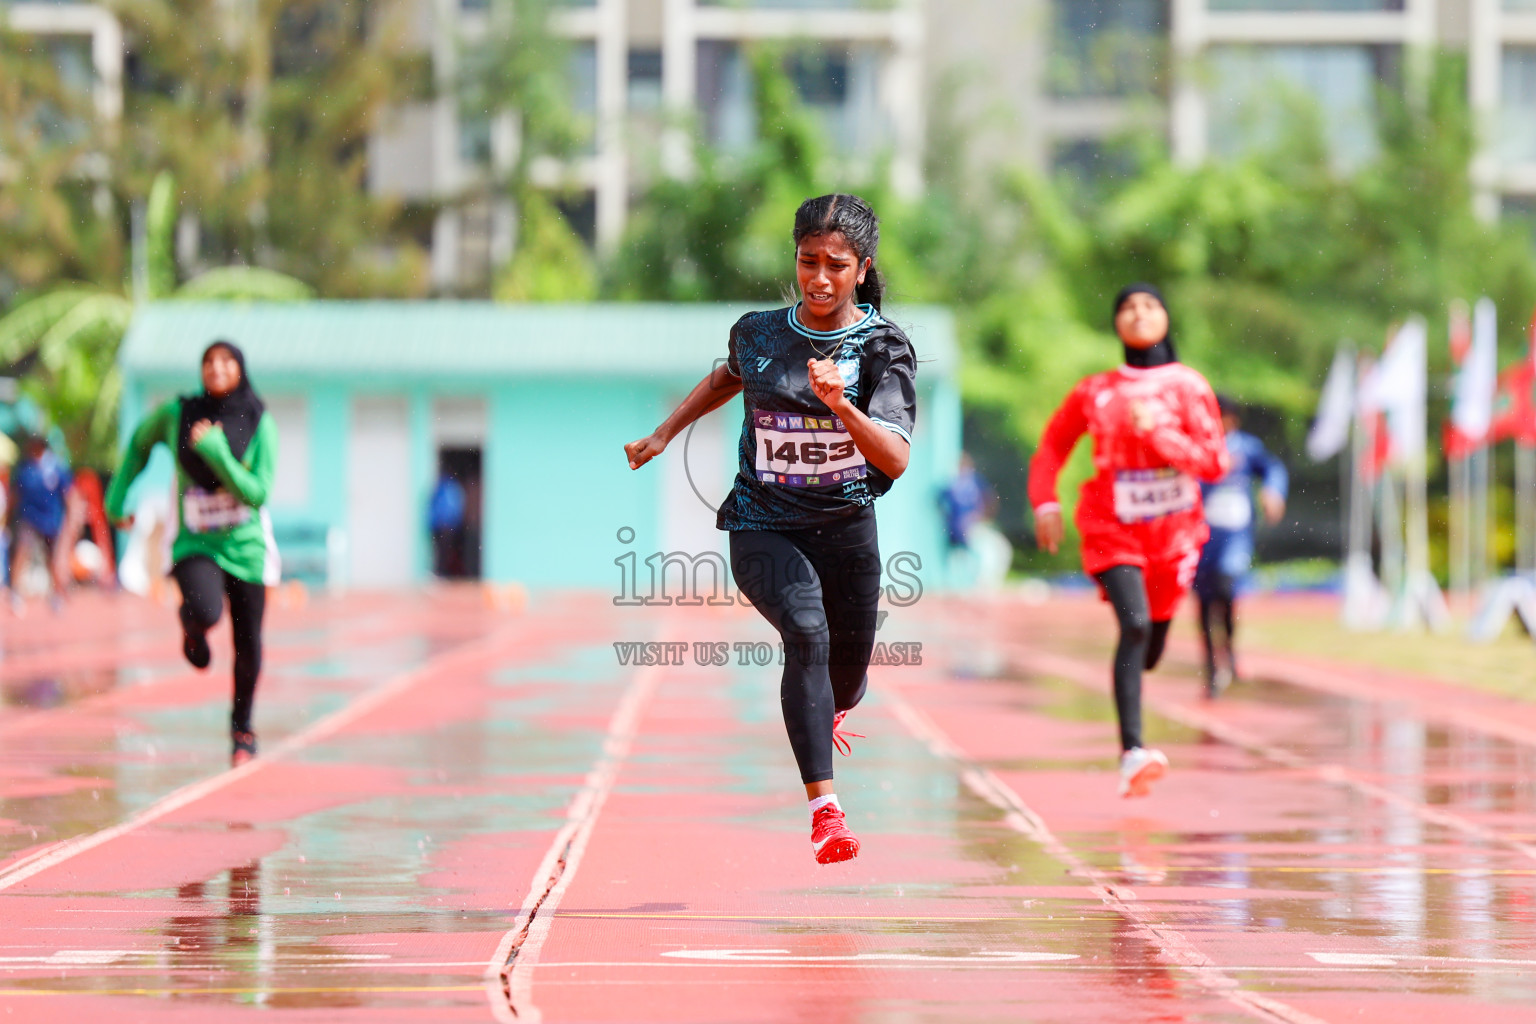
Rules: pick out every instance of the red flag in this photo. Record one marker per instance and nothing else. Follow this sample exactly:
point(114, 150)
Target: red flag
point(1514, 417)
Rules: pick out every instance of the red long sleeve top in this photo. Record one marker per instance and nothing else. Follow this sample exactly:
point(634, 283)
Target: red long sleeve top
point(1142, 505)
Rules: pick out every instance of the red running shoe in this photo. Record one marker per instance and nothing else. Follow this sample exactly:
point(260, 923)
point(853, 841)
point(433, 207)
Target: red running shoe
point(830, 839)
point(840, 738)
point(244, 744)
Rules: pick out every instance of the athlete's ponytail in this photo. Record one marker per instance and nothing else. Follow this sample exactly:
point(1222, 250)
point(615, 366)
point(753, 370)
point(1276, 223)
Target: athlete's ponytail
point(851, 217)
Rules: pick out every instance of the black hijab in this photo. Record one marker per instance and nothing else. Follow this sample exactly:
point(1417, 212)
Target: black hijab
point(238, 412)
point(1158, 354)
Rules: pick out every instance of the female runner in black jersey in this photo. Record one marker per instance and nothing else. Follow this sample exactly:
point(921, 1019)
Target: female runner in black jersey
point(830, 404)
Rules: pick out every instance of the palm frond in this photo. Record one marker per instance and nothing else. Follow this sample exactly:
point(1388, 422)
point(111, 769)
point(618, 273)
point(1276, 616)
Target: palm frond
point(256, 284)
point(23, 328)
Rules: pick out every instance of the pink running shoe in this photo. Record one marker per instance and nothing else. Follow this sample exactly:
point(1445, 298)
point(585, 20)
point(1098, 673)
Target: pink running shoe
point(840, 738)
point(830, 839)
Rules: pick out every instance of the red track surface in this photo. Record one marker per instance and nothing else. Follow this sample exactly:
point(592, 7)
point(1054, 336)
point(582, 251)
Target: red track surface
point(465, 814)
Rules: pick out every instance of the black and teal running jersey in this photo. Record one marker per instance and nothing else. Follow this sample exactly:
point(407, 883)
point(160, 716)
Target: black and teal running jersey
point(799, 466)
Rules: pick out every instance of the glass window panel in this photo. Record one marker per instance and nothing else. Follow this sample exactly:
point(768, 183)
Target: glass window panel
point(840, 85)
point(803, 4)
point(1517, 105)
point(1520, 5)
point(644, 84)
point(1306, 5)
point(1255, 91)
point(1107, 47)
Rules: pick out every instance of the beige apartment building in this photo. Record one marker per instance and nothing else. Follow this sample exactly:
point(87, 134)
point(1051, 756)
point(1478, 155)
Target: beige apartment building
point(1051, 83)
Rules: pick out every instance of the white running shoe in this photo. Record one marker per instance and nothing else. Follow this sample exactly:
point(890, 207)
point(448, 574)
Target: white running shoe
point(1139, 768)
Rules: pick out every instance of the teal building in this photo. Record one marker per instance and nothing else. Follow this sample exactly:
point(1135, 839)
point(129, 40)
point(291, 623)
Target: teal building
point(529, 408)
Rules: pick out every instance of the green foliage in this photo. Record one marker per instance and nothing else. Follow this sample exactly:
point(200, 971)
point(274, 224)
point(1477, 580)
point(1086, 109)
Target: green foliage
point(261, 112)
point(551, 264)
point(68, 338)
point(1268, 260)
point(50, 228)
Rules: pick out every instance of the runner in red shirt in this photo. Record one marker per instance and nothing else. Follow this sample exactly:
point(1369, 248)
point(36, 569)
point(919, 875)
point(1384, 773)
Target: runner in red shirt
point(1156, 433)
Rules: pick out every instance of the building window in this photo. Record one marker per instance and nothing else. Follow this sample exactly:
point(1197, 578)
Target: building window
point(580, 209)
point(644, 80)
point(583, 79)
point(1521, 211)
point(839, 84)
point(1257, 92)
point(1306, 5)
point(1107, 47)
point(1517, 111)
point(791, 4)
point(1093, 167)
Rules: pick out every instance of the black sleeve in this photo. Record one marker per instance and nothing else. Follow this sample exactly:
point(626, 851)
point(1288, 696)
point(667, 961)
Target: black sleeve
point(893, 387)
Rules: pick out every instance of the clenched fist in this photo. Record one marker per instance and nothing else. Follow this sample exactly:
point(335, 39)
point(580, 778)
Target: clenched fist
point(827, 382)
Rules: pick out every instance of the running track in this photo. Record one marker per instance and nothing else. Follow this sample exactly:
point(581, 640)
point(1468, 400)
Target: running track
point(468, 814)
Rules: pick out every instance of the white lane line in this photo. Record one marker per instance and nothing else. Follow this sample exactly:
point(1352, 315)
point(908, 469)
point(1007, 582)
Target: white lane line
point(509, 975)
point(1393, 959)
point(1023, 819)
point(52, 856)
point(1335, 774)
point(980, 956)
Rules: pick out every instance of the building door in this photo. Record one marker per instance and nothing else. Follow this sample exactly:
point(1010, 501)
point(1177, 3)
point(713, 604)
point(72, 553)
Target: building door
point(383, 521)
point(456, 553)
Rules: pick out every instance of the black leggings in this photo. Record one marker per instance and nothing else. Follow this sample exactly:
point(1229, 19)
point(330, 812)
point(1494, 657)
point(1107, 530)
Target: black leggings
point(1216, 610)
point(819, 587)
point(1140, 647)
point(203, 588)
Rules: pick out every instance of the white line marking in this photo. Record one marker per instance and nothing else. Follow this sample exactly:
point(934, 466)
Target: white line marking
point(1386, 960)
point(1019, 816)
point(785, 956)
point(52, 856)
point(509, 976)
point(1353, 959)
point(1077, 672)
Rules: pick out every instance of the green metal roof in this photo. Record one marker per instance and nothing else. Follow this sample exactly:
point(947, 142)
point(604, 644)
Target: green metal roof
point(458, 339)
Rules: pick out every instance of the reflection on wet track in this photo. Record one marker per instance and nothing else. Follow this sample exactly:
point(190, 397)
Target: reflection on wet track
point(467, 814)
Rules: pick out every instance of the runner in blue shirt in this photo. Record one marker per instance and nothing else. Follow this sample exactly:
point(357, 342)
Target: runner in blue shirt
point(1228, 555)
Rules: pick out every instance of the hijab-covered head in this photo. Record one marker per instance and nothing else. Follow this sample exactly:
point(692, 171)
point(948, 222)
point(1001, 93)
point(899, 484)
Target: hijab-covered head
point(1163, 351)
point(237, 412)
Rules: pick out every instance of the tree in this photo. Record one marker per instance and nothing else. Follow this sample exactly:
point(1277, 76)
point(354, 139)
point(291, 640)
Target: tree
point(51, 191)
point(67, 339)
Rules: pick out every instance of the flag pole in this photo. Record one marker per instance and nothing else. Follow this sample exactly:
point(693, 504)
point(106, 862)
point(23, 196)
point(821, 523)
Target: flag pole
point(1361, 590)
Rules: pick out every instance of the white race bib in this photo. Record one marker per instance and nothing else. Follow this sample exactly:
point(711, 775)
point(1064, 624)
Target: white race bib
point(1228, 508)
point(211, 511)
point(805, 451)
point(1142, 494)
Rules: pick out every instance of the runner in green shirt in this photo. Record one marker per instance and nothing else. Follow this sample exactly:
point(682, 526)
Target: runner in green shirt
point(226, 453)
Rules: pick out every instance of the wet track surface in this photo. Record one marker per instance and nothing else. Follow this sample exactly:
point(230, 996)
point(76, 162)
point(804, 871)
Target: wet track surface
point(468, 814)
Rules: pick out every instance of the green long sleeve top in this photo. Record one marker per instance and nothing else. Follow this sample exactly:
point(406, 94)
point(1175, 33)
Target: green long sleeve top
point(228, 525)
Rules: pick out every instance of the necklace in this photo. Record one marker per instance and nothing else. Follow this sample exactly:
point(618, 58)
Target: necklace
point(838, 336)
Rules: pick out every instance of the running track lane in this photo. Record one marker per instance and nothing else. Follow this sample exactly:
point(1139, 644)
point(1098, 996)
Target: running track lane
point(361, 866)
point(695, 897)
point(1406, 846)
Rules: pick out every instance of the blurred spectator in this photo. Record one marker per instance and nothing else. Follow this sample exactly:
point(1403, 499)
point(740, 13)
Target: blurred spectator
point(964, 501)
point(445, 518)
point(979, 554)
point(90, 558)
point(40, 486)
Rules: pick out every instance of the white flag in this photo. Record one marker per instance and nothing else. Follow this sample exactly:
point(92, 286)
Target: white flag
point(1335, 408)
point(1398, 385)
point(1477, 380)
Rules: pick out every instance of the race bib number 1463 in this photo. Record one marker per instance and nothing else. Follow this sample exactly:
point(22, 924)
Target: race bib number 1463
point(805, 451)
